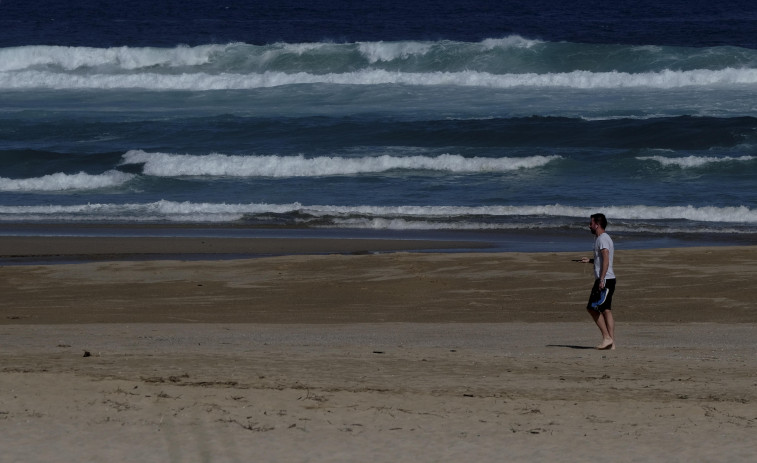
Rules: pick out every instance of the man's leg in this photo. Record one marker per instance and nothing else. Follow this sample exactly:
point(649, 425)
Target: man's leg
point(610, 323)
point(600, 320)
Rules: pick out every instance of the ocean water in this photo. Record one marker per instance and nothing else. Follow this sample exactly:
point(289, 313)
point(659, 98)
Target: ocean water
point(509, 122)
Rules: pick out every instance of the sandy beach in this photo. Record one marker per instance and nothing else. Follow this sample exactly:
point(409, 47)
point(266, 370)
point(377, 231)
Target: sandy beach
point(362, 356)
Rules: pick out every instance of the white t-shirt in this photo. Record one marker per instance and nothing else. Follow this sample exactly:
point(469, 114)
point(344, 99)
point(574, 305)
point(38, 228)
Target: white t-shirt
point(603, 241)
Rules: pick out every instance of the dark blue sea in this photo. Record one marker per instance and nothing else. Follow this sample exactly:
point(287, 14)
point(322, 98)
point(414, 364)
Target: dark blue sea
point(503, 121)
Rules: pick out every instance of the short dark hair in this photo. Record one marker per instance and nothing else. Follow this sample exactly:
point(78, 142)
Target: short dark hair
point(600, 219)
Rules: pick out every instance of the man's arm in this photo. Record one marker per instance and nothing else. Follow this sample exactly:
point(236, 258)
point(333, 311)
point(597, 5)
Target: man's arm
point(605, 266)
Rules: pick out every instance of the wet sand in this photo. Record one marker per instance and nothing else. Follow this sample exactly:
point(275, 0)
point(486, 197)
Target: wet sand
point(378, 357)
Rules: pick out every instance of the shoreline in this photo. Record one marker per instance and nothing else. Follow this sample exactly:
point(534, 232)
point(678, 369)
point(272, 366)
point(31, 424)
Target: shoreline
point(696, 284)
point(48, 249)
point(39, 243)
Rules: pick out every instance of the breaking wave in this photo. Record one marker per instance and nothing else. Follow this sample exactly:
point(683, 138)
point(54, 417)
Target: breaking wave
point(229, 81)
point(65, 182)
point(172, 165)
point(695, 161)
point(506, 62)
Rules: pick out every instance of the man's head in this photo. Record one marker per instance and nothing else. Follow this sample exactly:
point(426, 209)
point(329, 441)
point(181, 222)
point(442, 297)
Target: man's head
point(598, 221)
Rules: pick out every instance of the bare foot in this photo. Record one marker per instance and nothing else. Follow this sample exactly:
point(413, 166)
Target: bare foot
point(606, 344)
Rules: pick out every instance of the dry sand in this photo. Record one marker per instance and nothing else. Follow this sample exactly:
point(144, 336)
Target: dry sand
point(398, 357)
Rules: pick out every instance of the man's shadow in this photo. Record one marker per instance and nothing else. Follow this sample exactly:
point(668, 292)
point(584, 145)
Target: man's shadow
point(569, 346)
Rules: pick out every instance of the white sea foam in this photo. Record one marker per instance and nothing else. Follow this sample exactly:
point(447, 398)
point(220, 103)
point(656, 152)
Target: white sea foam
point(374, 223)
point(133, 58)
point(739, 214)
point(408, 224)
point(298, 48)
point(117, 58)
point(172, 165)
point(512, 41)
point(203, 81)
point(396, 217)
point(142, 212)
point(64, 182)
point(375, 52)
point(694, 161)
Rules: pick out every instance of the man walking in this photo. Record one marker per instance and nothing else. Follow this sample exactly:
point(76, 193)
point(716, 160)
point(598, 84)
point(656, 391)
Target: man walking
point(600, 300)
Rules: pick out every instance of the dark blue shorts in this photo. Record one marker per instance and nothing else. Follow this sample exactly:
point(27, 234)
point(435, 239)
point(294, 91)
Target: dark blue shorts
point(607, 304)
